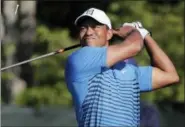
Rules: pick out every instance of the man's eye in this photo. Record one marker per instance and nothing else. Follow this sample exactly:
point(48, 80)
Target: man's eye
point(97, 26)
point(82, 29)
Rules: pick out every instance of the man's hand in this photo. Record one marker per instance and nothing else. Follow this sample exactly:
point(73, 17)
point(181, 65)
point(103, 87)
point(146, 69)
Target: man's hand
point(123, 31)
point(139, 27)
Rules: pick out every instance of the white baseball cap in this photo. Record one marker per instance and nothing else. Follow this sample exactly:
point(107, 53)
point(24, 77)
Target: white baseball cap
point(96, 14)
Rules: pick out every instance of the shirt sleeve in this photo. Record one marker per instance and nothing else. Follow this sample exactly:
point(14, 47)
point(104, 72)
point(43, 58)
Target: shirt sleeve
point(145, 78)
point(86, 61)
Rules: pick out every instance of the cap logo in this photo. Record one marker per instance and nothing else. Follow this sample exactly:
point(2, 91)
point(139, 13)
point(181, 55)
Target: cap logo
point(90, 12)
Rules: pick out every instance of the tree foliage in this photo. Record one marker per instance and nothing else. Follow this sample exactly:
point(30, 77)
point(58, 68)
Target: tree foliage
point(164, 21)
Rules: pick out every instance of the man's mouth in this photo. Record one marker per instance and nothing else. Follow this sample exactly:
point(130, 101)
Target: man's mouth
point(87, 40)
point(90, 38)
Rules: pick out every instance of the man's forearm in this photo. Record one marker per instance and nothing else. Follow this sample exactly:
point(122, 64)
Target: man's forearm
point(130, 47)
point(158, 57)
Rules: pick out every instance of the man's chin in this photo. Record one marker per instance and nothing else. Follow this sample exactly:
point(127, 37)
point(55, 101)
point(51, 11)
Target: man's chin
point(91, 43)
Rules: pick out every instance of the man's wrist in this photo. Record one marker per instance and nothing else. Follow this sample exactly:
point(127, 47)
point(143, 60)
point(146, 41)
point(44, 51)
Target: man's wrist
point(147, 39)
point(147, 36)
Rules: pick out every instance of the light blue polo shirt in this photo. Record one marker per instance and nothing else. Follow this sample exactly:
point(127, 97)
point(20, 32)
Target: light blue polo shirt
point(105, 96)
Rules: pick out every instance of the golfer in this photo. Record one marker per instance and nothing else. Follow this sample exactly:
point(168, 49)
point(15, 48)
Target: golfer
point(106, 89)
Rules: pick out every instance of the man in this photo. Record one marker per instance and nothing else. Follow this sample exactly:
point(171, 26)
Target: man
point(105, 89)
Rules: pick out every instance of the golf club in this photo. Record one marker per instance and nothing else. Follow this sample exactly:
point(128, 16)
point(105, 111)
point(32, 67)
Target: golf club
point(46, 55)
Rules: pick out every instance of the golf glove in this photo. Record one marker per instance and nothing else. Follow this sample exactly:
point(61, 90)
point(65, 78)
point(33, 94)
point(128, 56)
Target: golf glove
point(139, 27)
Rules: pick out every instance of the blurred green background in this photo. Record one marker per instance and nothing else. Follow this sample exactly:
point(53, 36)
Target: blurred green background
point(41, 27)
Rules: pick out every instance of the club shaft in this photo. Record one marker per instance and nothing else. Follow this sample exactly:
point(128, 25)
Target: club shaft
point(46, 55)
point(27, 61)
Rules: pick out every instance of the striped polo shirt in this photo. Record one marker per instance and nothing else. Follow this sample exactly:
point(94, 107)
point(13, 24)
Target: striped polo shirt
point(105, 96)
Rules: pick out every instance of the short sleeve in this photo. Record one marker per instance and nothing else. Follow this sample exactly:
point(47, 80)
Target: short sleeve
point(145, 78)
point(86, 61)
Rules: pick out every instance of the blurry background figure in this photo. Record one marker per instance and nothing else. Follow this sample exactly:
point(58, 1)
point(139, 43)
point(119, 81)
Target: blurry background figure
point(8, 44)
point(150, 116)
point(2, 30)
point(17, 45)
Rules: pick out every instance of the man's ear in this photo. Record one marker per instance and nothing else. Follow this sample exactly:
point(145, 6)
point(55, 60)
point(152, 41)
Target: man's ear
point(109, 34)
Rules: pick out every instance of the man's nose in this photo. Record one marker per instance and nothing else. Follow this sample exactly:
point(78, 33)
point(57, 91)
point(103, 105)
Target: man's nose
point(89, 30)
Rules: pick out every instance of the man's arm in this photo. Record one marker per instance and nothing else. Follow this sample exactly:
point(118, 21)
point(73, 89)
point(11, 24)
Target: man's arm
point(130, 46)
point(164, 72)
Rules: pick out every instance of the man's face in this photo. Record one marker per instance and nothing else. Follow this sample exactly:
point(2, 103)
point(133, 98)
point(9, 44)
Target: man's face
point(93, 33)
